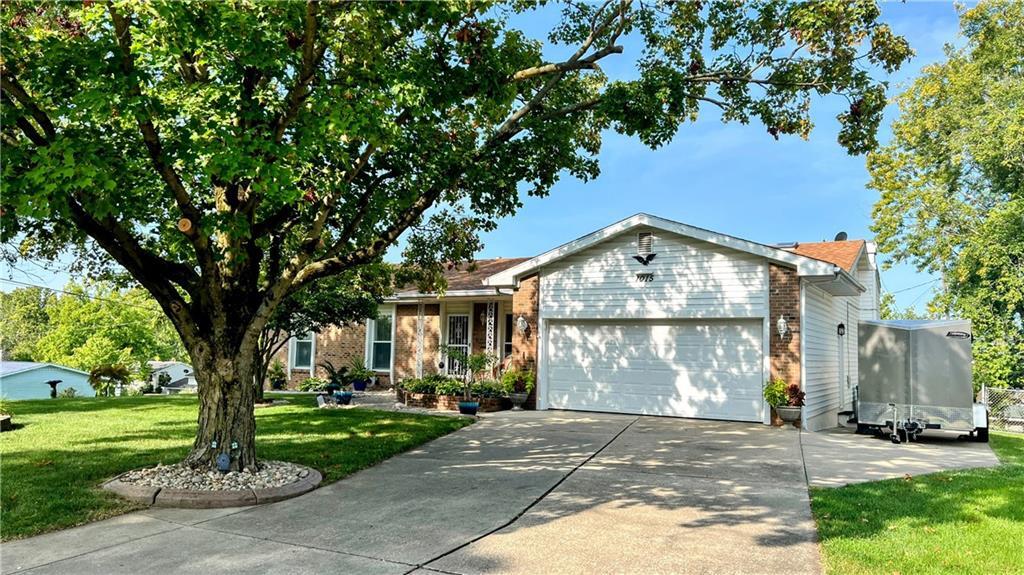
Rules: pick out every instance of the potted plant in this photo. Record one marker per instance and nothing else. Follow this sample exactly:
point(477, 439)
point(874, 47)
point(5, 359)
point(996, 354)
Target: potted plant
point(476, 364)
point(277, 376)
point(337, 382)
point(518, 384)
point(785, 399)
point(358, 374)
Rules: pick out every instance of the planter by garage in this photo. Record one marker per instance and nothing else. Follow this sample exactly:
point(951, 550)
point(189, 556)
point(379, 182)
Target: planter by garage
point(450, 402)
point(788, 413)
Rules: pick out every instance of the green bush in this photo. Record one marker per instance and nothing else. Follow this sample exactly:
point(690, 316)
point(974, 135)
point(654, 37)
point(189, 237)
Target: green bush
point(431, 384)
point(68, 392)
point(5, 406)
point(775, 392)
point(518, 381)
point(488, 388)
point(313, 384)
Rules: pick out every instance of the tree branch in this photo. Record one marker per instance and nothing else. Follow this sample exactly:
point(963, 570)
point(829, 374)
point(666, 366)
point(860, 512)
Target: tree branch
point(10, 85)
point(311, 56)
point(590, 62)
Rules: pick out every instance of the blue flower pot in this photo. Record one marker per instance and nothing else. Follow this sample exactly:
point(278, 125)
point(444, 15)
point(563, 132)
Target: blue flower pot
point(359, 385)
point(469, 407)
point(344, 398)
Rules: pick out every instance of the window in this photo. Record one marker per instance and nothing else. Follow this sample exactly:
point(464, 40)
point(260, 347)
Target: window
point(644, 243)
point(302, 351)
point(509, 324)
point(380, 354)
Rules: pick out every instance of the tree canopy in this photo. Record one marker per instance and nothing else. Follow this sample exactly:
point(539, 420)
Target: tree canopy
point(87, 326)
point(952, 185)
point(229, 154)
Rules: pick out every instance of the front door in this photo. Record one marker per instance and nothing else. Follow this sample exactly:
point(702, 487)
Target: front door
point(458, 340)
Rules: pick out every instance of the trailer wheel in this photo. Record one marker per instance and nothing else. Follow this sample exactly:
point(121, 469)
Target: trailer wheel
point(895, 439)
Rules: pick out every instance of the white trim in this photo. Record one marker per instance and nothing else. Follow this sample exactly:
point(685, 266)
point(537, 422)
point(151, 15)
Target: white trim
point(542, 363)
point(766, 344)
point(312, 355)
point(475, 293)
point(371, 329)
point(803, 350)
point(804, 265)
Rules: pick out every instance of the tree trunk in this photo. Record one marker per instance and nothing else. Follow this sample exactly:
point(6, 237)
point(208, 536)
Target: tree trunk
point(227, 422)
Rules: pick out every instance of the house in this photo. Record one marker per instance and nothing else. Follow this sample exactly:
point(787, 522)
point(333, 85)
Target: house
point(646, 316)
point(30, 380)
point(178, 376)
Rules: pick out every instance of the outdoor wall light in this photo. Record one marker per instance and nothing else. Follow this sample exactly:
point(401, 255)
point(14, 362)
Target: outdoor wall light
point(782, 325)
point(841, 329)
point(521, 324)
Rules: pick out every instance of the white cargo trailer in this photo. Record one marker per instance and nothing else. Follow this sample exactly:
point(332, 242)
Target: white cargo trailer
point(916, 375)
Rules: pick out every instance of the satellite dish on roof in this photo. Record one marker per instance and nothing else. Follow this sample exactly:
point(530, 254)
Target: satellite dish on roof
point(841, 237)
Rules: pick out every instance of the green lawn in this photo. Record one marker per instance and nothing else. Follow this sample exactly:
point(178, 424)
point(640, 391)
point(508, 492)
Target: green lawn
point(51, 465)
point(952, 522)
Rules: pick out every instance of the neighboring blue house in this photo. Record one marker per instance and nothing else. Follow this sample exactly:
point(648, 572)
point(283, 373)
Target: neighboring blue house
point(27, 379)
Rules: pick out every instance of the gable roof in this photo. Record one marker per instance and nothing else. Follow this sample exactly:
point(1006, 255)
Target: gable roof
point(805, 266)
point(13, 367)
point(468, 277)
point(158, 365)
point(844, 254)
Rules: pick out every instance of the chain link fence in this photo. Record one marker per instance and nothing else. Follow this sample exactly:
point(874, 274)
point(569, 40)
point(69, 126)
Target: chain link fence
point(1005, 408)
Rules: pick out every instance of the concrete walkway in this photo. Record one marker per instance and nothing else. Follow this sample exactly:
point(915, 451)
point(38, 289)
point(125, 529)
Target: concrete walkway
point(525, 492)
point(838, 457)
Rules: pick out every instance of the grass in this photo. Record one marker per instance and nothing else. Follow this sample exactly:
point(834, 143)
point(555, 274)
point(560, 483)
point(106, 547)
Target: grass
point(959, 522)
point(61, 450)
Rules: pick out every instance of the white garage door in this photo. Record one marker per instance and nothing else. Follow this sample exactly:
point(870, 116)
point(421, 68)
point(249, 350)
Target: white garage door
point(686, 368)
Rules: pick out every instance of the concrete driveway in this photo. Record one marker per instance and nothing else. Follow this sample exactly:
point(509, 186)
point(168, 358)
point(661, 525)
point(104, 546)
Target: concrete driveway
point(524, 492)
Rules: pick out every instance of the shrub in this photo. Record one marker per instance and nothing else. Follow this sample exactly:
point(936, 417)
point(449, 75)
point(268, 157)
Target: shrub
point(775, 392)
point(434, 383)
point(313, 384)
point(488, 388)
point(5, 406)
point(68, 392)
point(147, 387)
point(276, 375)
point(338, 377)
point(518, 381)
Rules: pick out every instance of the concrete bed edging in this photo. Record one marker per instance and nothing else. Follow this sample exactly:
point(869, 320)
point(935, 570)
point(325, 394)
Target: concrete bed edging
point(206, 499)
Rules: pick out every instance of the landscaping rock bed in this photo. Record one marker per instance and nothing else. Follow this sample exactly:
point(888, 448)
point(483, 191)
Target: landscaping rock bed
point(449, 402)
point(181, 486)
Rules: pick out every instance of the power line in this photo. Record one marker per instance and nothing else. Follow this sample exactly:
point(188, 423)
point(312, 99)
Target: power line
point(81, 295)
point(916, 286)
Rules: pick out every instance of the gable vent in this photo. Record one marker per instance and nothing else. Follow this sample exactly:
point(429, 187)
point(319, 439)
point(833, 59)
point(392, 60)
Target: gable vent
point(644, 243)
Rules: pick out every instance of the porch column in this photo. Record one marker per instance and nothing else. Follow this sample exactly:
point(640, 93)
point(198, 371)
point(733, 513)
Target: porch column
point(420, 321)
point(489, 341)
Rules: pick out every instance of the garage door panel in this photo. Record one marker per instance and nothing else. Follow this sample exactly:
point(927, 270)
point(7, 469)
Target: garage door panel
point(687, 368)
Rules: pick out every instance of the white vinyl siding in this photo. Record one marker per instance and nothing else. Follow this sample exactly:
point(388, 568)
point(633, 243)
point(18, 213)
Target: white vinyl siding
point(829, 376)
point(869, 303)
point(697, 368)
point(692, 279)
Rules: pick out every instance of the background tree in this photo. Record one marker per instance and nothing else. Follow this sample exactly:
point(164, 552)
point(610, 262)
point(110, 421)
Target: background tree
point(23, 320)
point(336, 301)
point(952, 185)
point(228, 155)
point(97, 324)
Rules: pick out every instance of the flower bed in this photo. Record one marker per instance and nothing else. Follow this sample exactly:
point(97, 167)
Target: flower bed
point(449, 402)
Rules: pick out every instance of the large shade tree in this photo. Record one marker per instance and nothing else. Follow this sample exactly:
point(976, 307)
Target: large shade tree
point(952, 185)
point(230, 154)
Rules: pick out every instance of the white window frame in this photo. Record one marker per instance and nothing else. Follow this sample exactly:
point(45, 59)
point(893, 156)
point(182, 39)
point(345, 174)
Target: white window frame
point(507, 320)
point(311, 337)
point(371, 331)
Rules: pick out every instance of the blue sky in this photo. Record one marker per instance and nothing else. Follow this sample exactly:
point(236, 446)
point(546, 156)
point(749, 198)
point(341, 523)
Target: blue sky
point(737, 179)
point(730, 178)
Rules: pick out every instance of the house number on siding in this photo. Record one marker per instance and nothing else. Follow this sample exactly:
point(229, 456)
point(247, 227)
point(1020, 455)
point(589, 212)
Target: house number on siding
point(645, 277)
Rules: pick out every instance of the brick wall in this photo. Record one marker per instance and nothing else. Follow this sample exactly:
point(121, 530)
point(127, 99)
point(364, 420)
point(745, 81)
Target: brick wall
point(431, 338)
point(784, 294)
point(525, 303)
point(337, 344)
